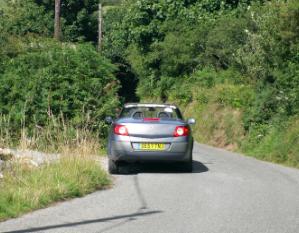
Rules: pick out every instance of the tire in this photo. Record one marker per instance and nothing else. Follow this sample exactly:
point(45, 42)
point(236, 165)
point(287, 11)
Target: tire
point(187, 166)
point(113, 167)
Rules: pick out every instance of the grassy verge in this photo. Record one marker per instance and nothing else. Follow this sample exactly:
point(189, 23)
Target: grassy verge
point(277, 143)
point(25, 189)
point(222, 126)
point(78, 172)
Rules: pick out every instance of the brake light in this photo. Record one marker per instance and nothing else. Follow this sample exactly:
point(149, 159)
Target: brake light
point(121, 130)
point(181, 131)
point(151, 119)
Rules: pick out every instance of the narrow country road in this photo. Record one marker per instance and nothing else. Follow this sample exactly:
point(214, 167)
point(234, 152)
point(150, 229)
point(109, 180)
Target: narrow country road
point(226, 193)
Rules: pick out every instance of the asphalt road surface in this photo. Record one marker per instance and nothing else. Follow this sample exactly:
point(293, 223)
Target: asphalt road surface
point(226, 193)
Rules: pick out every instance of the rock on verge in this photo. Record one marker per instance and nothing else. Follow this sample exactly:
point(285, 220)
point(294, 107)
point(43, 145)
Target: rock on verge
point(36, 157)
point(30, 158)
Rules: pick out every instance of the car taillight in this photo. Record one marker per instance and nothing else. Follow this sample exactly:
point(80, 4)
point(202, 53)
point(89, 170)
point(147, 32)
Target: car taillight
point(121, 130)
point(181, 131)
point(151, 119)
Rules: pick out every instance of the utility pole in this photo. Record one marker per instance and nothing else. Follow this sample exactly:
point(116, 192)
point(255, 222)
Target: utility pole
point(100, 35)
point(57, 26)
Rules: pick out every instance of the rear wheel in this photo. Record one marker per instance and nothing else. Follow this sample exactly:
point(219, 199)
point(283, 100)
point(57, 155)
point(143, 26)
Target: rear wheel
point(113, 167)
point(186, 166)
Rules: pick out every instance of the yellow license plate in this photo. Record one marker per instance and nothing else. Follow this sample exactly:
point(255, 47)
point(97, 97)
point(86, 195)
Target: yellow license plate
point(152, 146)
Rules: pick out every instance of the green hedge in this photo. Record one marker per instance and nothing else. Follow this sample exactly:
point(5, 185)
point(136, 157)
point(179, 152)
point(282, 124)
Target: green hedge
point(50, 79)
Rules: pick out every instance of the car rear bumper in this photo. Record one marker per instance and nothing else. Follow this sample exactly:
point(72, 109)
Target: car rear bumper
point(123, 151)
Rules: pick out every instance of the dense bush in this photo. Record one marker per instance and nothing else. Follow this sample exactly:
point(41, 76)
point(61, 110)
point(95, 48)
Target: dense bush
point(25, 17)
point(223, 57)
point(51, 79)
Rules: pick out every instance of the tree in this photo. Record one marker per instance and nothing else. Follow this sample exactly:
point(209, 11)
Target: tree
point(57, 28)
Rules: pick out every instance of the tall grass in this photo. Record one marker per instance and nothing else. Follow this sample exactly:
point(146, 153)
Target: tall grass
point(55, 136)
point(278, 143)
point(78, 172)
point(24, 189)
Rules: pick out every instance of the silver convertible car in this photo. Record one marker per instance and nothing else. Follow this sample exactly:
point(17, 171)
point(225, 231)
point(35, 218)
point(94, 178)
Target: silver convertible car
point(150, 132)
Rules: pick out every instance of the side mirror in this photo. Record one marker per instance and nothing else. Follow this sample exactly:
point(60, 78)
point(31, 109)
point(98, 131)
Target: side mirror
point(191, 121)
point(109, 120)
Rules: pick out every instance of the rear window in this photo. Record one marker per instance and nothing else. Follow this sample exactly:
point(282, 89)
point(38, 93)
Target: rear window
point(151, 112)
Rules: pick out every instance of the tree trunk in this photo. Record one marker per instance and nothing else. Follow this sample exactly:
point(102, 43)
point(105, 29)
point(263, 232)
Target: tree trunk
point(100, 27)
point(57, 26)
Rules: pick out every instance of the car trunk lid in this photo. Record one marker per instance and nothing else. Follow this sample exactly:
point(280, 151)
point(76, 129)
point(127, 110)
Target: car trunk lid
point(152, 127)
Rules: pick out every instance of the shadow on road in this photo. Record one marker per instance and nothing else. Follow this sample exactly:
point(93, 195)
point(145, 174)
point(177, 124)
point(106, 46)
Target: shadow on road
point(142, 208)
point(128, 217)
point(151, 167)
